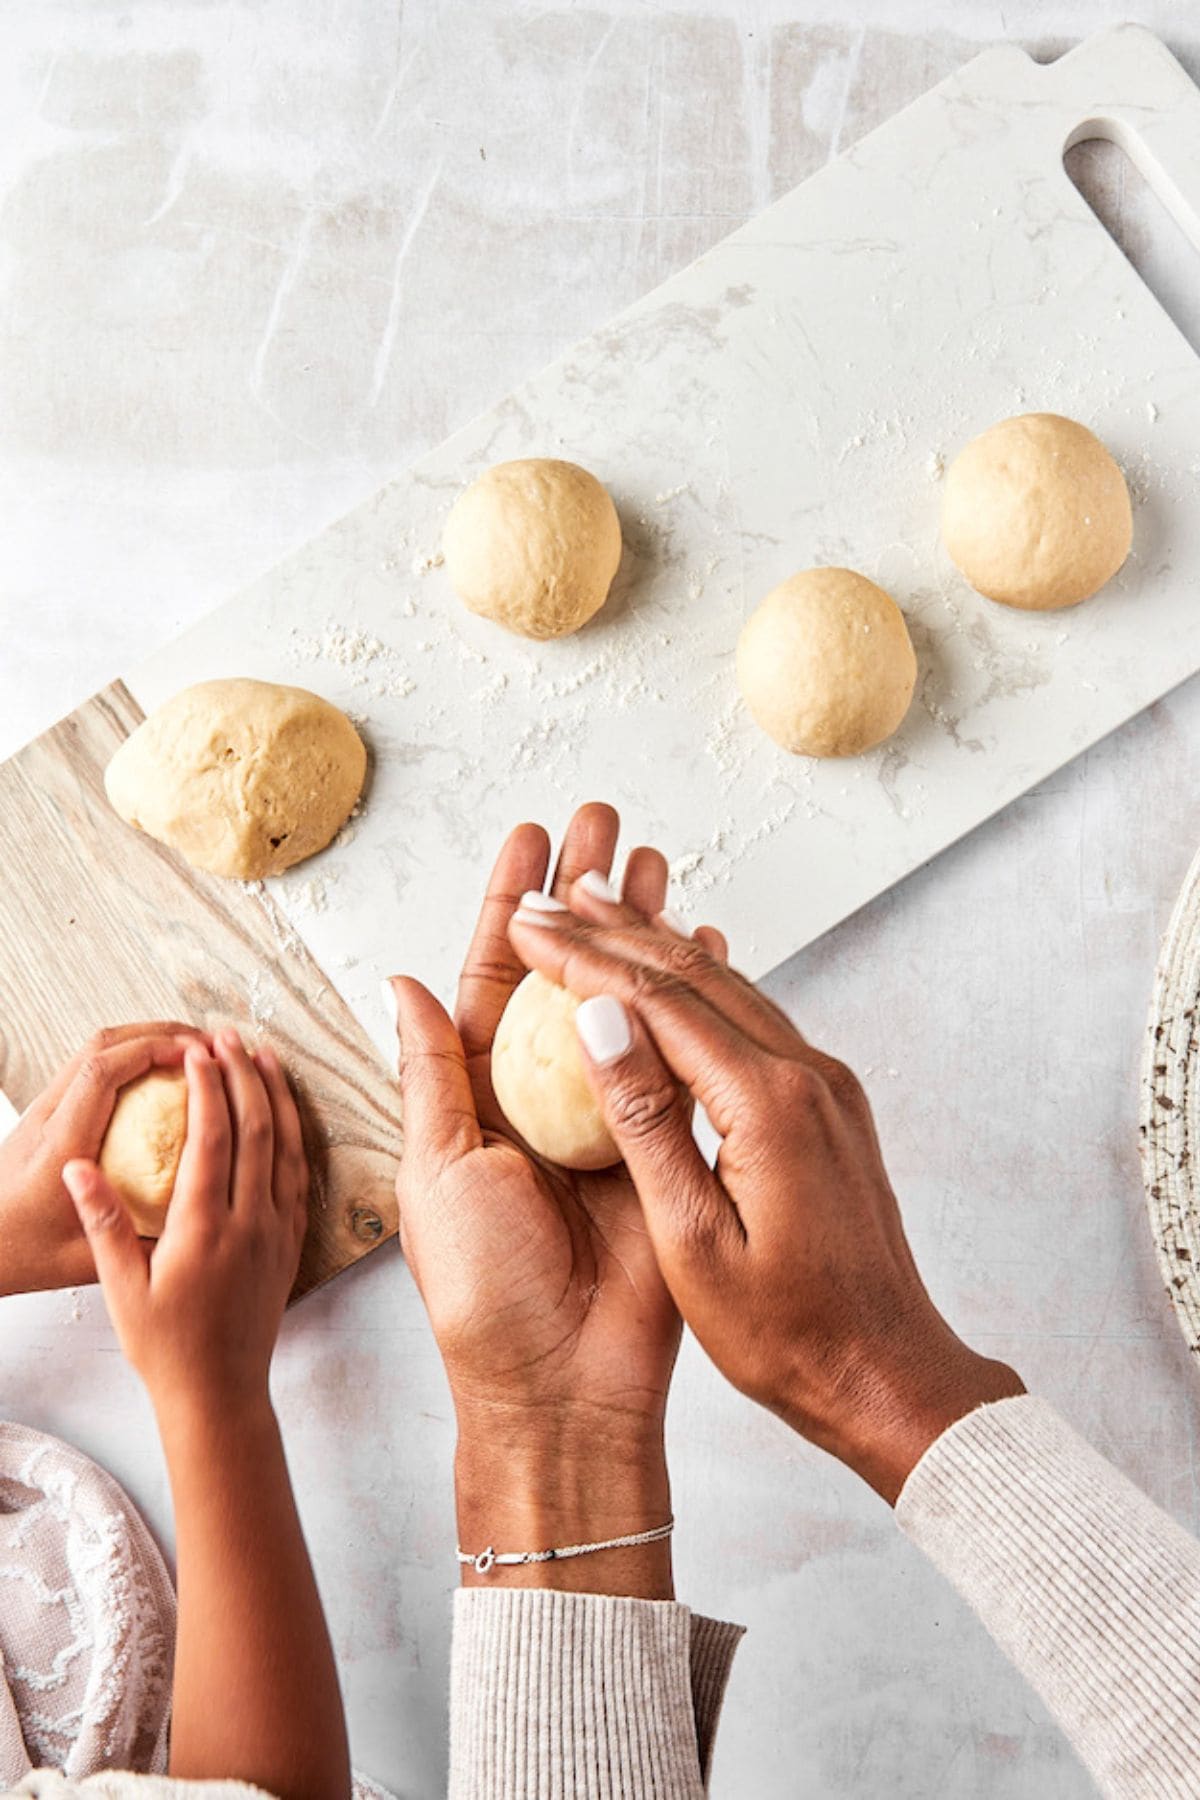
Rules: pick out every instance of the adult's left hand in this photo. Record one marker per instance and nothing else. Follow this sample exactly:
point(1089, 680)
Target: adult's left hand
point(556, 1328)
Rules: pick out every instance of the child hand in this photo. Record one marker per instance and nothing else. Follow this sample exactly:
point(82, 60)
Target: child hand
point(198, 1314)
point(41, 1243)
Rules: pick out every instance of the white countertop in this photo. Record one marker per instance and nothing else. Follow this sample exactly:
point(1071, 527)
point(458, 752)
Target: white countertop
point(252, 265)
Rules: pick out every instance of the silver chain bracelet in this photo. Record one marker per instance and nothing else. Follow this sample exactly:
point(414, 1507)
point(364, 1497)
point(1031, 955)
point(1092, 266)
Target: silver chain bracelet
point(489, 1559)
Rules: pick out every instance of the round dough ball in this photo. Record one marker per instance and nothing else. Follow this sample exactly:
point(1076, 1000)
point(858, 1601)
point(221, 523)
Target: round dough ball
point(826, 665)
point(540, 1080)
point(243, 778)
point(1036, 513)
point(143, 1144)
point(534, 544)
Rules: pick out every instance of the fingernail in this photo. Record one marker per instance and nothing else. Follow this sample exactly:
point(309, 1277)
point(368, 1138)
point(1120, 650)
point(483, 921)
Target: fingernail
point(603, 1026)
point(389, 1001)
point(673, 922)
point(75, 1176)
point(597, 885)
point(537, 908)
point(230, 1038)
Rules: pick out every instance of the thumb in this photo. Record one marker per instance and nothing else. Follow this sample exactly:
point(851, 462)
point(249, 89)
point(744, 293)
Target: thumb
point(693, 1224)
point(121, 1264)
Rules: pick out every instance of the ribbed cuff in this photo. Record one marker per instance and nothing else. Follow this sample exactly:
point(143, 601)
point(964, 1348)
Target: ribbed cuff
point(557, 1694)
point(1091, 1590)
point(714, 1645)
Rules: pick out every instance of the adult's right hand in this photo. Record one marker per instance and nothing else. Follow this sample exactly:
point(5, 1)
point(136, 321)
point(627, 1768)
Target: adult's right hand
point(789, 1260)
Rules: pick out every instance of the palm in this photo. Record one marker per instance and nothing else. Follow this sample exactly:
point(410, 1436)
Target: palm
point(573, 1268)
point(541, 1284)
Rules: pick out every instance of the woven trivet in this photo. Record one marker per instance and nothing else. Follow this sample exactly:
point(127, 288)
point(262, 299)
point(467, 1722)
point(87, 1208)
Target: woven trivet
point(1169, 1121)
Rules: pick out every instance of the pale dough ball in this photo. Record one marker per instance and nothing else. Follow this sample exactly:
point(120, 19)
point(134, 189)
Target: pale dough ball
point(143, 1144)
point(534, 544)
point(1036, 513)
point(243, 778)
point(826, 665)
point(540, 1080)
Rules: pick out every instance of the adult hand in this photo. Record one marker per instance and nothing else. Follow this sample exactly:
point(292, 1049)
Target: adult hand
point(789, 1260)
point(42, 1244)
point(198, 1313)
point(556, 1328)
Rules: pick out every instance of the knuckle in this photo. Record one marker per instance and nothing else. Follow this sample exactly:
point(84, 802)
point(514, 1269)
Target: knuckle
point(687, 960)
point(799, 1083)
point(213, 1141)
point(841, 1081)
point(639, 1112)
point(105, 1216)
point(92, 1070)
point(256, 1132)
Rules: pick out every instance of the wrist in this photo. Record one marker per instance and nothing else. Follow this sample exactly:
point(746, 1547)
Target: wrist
point(904, 1406)
point(545, 1483)
point(207, 1419)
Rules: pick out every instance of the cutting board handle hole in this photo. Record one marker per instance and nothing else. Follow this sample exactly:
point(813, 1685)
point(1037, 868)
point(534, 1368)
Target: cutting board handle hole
point(1144, 213)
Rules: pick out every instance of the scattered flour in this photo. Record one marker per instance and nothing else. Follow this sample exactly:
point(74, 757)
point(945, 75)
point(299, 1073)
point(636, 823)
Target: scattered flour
point(421, 565)
point(262, 1000)
point(370, 662)
point(310, 895)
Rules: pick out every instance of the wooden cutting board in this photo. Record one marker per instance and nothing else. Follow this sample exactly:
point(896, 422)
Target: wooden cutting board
point(99, 925)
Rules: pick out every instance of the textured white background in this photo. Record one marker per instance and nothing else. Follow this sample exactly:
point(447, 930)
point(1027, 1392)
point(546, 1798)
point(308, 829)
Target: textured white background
point(254, 258)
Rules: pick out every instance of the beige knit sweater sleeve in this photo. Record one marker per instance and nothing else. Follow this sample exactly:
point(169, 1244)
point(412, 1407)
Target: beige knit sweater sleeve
point(583, 1695)
point(1090, 1589)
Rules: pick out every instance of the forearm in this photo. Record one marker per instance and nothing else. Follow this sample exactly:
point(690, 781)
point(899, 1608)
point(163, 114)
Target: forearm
point(27, 1266)
point(256, 1690)
point(1091, 1590)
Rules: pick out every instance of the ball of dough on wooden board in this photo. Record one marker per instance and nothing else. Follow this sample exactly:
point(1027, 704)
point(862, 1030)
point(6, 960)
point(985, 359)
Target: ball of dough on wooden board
point(826, 665)
point(540, 1080)
point(534, 545)
point(243, 778)
point(143, 1144)
point(1036, 513)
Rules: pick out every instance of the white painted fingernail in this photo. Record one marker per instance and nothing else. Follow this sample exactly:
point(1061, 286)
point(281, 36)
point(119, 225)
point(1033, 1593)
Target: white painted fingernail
point(603, 1025)
point(597, 885)
point(537, 908)
point(389, 1001)
point(674, 923)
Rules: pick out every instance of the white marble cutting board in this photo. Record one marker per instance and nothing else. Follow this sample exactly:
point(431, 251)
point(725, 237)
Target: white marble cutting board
point(788, 400)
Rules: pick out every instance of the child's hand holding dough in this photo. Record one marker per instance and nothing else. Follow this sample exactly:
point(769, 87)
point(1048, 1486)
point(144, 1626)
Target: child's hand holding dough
point(256, 1692)
point(41, 1242)
point(204, 1311)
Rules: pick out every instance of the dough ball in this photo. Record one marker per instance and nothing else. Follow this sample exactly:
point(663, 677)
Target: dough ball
point(143, 1144)
point(243, 778)
point(540, 1078)
point(1036, 513)
point(826, 665)
point(534, 545)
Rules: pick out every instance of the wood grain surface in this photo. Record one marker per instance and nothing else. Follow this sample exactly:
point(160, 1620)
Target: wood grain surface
point(100, 925)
